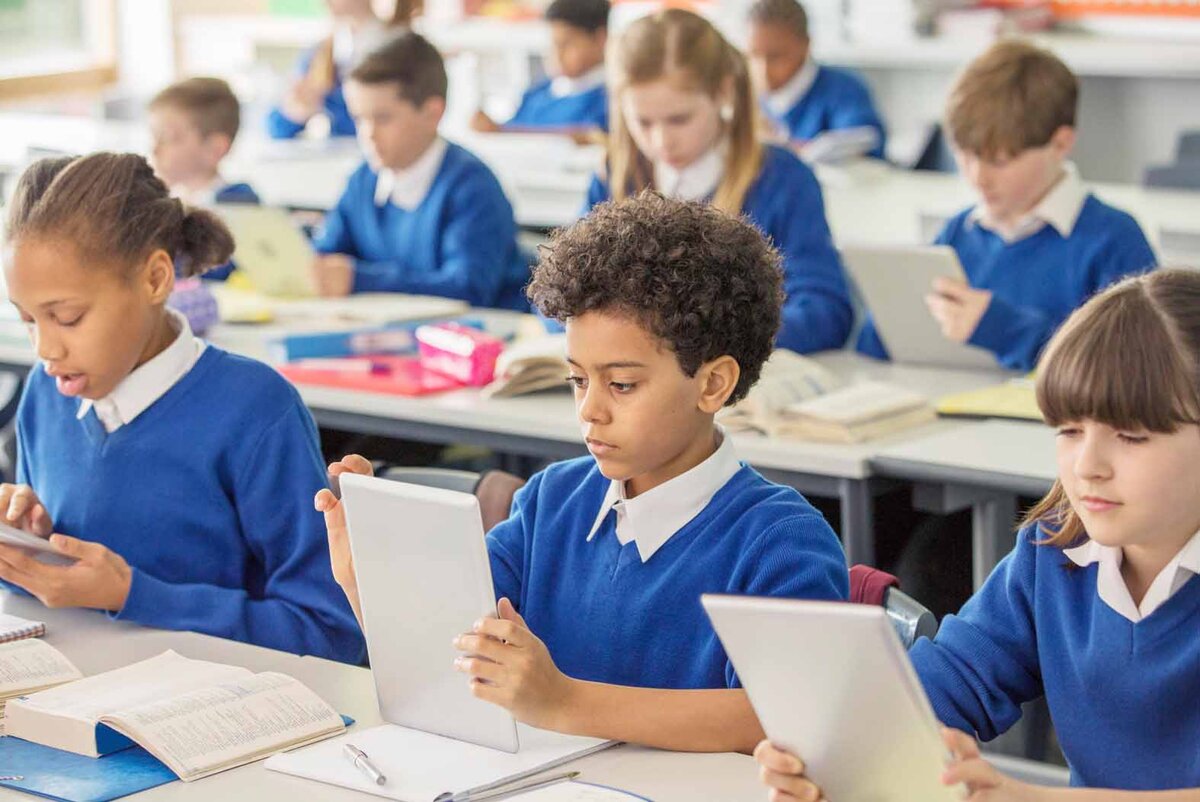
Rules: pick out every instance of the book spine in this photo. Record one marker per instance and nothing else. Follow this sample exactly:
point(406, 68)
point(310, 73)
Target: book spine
point(393, 339)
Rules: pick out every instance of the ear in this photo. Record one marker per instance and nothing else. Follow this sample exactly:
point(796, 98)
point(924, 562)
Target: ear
point(432, 110)
point(218, 146)
point(727, 92)
point(1063, 140)
point(718, 379)
point(158, 276)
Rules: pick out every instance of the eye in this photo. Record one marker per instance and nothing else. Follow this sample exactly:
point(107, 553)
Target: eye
point(1132, 438)
point(623, 387)
point(1068, 431)
point(70, 321)
point(579, 382)
point(679, 119)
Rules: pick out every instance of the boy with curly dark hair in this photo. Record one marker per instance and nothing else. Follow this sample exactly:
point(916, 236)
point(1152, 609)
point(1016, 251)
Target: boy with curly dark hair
point(670, 308)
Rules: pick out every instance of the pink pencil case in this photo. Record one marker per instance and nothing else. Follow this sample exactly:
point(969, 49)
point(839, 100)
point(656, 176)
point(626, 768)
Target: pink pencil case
point(460, 352)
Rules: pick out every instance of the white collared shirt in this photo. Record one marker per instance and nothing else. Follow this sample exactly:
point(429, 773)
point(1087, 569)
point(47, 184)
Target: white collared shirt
point(562, 86)
point(650, 519)
point(1059, 209)
point(204, 197)
point(408, 187)
point(1111, 587)
point(698, 181)
point(783, 99)
point(148, 382)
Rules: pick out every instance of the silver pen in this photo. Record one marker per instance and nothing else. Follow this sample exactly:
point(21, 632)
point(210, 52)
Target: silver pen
point(506, 789)
point(360, 760)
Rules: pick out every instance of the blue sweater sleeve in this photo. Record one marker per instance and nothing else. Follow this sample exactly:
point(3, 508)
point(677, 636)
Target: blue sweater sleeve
point(816, 312)
point(477, 239)
point(983, 663)
point(301, 609)
point(854, 109)
point(334, 235)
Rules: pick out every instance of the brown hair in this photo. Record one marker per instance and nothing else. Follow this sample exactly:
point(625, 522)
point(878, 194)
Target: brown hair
point(1011, 98)
point(113, 209)
point(210, 103)
point(405, 12)
point(408, 60)
point(677, 41)
point(787, 14)
point(1128, 358)
point(686, 272)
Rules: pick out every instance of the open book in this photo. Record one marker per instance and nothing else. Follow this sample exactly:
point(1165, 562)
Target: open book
point(30, 665)
point(798, 397)
point(530, 365)
point(197, 717)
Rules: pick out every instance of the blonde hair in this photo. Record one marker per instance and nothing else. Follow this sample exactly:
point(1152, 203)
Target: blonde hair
point(680, 42)
point(1011, 98)
point(1128, 358)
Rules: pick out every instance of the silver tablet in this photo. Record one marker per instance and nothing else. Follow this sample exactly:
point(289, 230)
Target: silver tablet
point(423, 579)
point(831, 682)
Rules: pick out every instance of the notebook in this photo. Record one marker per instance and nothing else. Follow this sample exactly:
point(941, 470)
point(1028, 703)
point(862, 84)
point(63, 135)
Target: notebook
point(16, 628)
point(1016, 399)
point(30, 665)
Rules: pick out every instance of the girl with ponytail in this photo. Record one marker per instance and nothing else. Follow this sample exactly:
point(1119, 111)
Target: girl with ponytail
point(684, 122)
point(171, 472)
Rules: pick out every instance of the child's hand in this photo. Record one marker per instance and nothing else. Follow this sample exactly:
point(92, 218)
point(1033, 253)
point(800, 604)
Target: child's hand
point(303, 99)
point(335, 529)
point(99, 579)
point(957, 307)
point(981, 778)
point(783, 773)
point(333, 273)
point(20, 507)
point(482, 122)
point(511, 667)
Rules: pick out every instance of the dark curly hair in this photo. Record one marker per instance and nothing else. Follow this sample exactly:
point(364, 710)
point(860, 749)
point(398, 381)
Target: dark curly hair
point(704, 282)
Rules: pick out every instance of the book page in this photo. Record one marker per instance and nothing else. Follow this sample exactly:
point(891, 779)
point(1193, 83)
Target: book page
point(32, 663)
point(169, 674)
point(222, 726)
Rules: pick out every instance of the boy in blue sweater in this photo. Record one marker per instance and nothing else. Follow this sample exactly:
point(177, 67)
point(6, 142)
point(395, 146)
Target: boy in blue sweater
point(193, 124)
point(808, 101)
point(599, 571)
point(421, 215)
point(1037, 244)
point(1096, 609)
point(170, 469)
point(575, 98)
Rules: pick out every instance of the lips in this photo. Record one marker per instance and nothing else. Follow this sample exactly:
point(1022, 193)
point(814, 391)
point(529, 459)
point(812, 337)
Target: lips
point(1098, 504)
point(70, 384)
point(599, 448)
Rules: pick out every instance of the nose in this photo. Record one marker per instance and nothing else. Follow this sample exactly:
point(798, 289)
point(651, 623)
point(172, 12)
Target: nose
point(659, 140)
point(1092, 462)
point(592, 407)
point(48, 347)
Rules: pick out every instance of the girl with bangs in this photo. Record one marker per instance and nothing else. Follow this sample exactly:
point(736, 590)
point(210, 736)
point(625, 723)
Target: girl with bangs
point(1097, 607)
point(684, 121)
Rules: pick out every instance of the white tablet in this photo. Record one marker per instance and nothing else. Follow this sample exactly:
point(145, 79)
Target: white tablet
point(893, 282)
point(270, 250)
point(423, 579)
point(39, 547)
point(831, 682)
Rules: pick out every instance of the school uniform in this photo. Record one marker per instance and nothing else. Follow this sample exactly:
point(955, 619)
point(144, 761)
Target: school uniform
point(786, 204)
point(199, 469)
point(1120, 679)
point(442, 226)
point(612, 585)
point(1070, 246)
point(564, 102)
point(820, 99)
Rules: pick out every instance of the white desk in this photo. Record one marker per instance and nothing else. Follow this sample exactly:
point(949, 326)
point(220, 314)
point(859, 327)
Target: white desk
point(96, 644)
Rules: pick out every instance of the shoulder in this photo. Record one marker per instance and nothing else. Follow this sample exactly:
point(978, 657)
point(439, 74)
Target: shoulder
point(773, 511)
point(955, 225)
point(246, 386)
point(1097, 218)
point(461, 165)
point(538, 89)
point(841, 80)
point(238, 193)
point(784, 182)
point(567, 476)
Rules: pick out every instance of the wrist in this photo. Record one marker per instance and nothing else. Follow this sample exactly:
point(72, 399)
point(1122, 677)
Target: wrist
point(573, 711)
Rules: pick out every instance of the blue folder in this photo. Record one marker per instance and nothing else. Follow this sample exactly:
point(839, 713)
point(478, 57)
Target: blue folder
point(66, 776)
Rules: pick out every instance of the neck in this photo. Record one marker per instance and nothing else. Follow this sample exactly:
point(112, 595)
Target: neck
point(703, 446)
point(1009, 224)
point(164, 334)
point(200, 181)
point(1141, 563)
point(420, 153)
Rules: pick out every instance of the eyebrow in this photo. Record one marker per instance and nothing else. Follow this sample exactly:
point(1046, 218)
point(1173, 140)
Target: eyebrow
point(611, 365)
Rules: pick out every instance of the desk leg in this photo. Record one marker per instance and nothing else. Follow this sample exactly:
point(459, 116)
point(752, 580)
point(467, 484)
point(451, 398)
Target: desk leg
point(858, 525)
point(993, 536)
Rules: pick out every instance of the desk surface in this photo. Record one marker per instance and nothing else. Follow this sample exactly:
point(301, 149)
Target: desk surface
point(97, 644)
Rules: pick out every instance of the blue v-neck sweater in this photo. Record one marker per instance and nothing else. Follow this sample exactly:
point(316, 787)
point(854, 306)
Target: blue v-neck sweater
point(207, 494)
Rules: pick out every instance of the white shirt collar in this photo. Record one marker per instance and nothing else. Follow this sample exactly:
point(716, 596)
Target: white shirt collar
point(562, 86)
point(1059, 209)
point(148, 382)
point(785, 98)
point(1111, 587)
point(204, 196)
point(650, 519)
point(697, 181)
point(408, 187)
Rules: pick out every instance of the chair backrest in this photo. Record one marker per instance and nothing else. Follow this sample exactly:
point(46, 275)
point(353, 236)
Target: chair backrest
point(494, 489)
point(1185, 175)
point(1187, 149)
point(909, 618)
